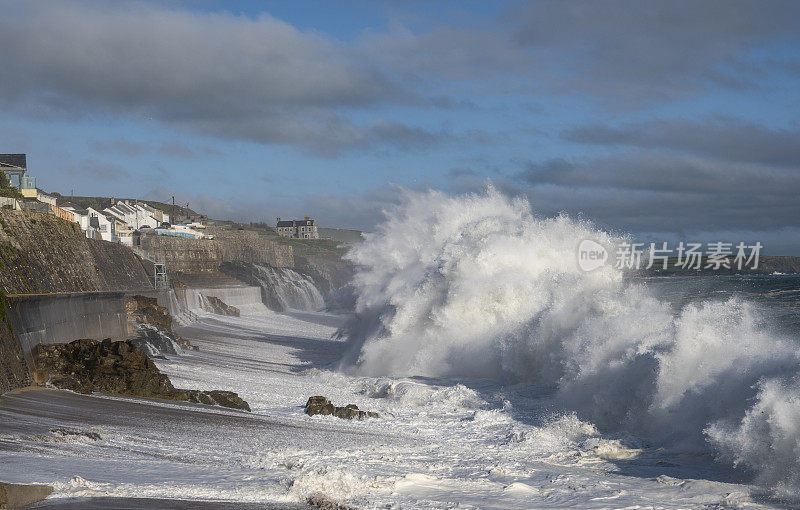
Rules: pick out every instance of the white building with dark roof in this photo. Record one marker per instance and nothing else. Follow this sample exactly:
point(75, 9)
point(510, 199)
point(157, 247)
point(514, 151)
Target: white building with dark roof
point(298, 229)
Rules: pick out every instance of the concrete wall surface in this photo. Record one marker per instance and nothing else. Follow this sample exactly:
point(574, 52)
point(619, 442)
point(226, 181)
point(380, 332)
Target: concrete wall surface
point(62, 318)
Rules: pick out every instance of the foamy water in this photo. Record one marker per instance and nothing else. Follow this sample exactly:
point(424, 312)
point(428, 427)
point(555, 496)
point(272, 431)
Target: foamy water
point(477, 286)
point(504, 376)
point(439, 442)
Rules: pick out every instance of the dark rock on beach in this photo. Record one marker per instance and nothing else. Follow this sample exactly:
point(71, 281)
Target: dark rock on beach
point(85, 366)
point(321, 405)
point(153, 324)
point(215, 305)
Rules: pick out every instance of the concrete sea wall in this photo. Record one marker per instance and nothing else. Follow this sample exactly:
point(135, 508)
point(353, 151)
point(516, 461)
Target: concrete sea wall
point(62, 318)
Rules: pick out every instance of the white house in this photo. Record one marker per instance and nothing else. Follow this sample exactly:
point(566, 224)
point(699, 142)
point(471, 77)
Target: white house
point(103, 228)
point(135, 215)
point(81, 216)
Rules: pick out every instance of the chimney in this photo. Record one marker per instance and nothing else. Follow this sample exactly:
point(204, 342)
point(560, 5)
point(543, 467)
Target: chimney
point(308, 218)
point(279, 219)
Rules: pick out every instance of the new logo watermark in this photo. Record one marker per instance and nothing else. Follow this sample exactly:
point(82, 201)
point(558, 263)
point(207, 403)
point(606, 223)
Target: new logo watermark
point(591, 255)
point(685, 256)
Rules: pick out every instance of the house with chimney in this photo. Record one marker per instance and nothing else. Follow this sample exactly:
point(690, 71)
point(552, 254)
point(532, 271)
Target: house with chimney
point(297, 229)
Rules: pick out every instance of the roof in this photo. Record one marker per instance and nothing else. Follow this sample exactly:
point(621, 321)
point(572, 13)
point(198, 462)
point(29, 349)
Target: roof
point(125, 208)
point(296, 223)
point(13, 160)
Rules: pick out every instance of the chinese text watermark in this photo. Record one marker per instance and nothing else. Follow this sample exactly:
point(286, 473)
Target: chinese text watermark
point(685, 256)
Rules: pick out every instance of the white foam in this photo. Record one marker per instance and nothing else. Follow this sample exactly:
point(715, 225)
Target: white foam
point(477, 286)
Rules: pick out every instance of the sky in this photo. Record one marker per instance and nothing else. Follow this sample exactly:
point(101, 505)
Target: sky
point(670, 120)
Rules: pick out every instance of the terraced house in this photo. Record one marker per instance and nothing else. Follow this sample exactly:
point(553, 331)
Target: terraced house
point(298, 229)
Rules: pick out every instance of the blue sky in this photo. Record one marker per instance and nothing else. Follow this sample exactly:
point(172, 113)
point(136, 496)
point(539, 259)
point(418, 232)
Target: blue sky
point(673, 120)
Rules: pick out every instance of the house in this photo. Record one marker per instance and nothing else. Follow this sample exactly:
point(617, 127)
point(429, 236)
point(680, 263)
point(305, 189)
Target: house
point(79, 215)
point(159, 215)
point(135, 215)
point(297, 229)
point(122, 231)
point(14, 166)
point(43, 197)
point(101, 226)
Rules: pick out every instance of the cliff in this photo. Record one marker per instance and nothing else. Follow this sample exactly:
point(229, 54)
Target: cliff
point(40, 253)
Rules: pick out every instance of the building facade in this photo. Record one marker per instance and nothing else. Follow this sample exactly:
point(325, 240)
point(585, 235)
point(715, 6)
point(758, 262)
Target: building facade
point(298, 229)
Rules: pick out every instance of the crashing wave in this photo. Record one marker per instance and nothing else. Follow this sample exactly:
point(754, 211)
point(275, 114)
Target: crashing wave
point(477, 286)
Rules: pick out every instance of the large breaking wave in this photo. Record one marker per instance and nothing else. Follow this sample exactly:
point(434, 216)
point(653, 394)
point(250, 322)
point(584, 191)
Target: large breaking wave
point(477, 286)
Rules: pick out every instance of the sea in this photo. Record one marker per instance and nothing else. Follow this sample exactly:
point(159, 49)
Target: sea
point(504, 376)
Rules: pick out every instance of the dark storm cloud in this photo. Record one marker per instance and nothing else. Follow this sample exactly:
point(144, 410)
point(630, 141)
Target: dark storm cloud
point(726, 139)
point(661, 191)
point(218, 74)
point(630, 50)
point(263, 80)
point(661, 171)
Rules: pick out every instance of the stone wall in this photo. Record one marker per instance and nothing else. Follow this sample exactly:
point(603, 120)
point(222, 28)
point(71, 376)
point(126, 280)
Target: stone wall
point(40, 253)
point(14, 369)
point(183, 255)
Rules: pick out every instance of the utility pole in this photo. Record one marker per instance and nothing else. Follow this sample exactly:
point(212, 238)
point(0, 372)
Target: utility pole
point(172, 218)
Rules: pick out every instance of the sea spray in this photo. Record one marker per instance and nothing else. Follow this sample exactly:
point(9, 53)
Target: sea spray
point(288, 289)
point(477, 286)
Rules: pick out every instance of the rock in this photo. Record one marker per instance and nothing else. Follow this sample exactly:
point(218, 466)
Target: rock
point(321, 405)
point(143, 310)
point(13, 495)
point(215, 305)
point(94, 436)
point(85, 366)
point(229, 399)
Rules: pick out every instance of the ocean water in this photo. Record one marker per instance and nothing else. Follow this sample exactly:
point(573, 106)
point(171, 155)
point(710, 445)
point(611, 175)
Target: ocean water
point(505, 378)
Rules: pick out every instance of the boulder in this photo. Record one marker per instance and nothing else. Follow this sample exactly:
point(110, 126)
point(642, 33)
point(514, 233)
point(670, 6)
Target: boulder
point(143, 310)
point(85, 366)
point(215, 305)
point(321, 405)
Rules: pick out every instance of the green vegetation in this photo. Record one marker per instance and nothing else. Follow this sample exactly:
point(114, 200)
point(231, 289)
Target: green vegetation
point(6, 189)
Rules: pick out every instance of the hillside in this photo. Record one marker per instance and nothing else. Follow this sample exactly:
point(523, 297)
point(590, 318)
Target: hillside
point(100, 203)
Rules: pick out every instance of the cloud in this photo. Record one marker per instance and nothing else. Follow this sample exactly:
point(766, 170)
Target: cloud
point(630, 51)
point(223, 75)
point(659, 191)
point(726, 139)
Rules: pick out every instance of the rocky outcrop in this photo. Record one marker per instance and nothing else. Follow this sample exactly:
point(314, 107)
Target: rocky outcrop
point(321, 405)
point(40, 253)
point(215, 305)
point(151, 324)
point(86, 366)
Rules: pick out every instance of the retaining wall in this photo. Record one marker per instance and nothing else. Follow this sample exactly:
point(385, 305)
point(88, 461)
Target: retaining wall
point(28, 320)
